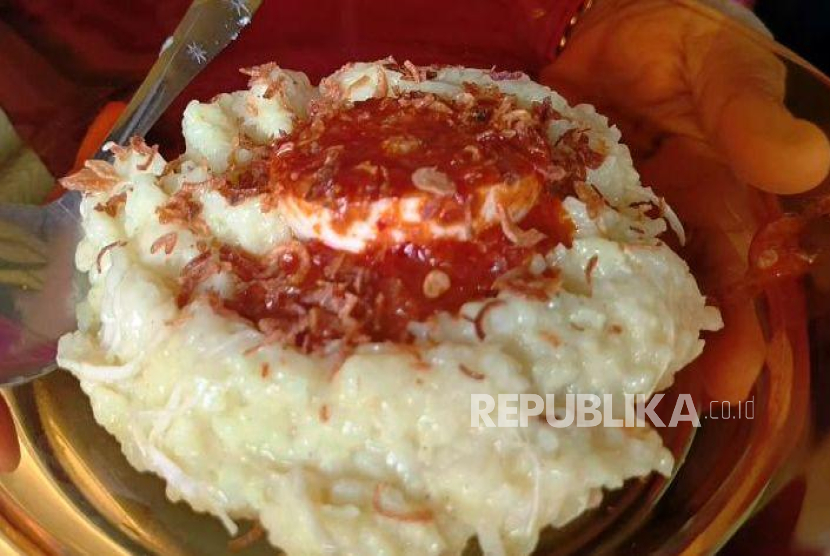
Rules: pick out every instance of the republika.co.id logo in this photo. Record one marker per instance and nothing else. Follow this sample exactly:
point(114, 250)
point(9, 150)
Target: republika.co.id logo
point(592, 410)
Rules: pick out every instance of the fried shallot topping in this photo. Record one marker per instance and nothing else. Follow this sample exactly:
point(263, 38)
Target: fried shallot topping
point(167, 243)
point(136, 144)
point(106, 249)
point(318, 298)
point(589, 270)
point(478, 322)
point(475, 375)
point(310, 295)
point(521, 281)
point(402, 145)
point(185, 210)
point(197, 271)
point(96, 176)
point(112, 205)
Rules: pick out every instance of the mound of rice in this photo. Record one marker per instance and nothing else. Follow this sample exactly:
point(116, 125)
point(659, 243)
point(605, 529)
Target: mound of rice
point(378, 457)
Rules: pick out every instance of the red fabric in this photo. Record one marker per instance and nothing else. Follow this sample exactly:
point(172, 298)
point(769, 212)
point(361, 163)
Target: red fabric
point(64, 59)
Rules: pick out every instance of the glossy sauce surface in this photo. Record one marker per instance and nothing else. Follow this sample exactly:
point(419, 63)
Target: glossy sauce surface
point(381, 290)
point(346, 156)
point(372, 149)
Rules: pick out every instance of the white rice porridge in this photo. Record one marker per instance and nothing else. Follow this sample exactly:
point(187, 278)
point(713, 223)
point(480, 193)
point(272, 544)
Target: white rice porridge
point(372, 452)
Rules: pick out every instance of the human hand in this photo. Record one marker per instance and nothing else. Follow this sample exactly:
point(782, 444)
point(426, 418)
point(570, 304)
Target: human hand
point(683, 71)
point(700, 102)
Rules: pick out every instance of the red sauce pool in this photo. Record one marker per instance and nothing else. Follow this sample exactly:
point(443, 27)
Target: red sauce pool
point(312, 293)
point(387, 284)
point(371, 150)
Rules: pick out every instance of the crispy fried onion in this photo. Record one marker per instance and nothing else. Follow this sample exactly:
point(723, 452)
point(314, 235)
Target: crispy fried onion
point(589, 270)
point(517, 236)
point(139, 146)
point(294, 307)
point(322, 314)
point(383, 85)
point(521, 281)
point(136, 144)
point(417, 516)
point(432, 180)
point(167, 242)
point(107, 248)
point(478, 321)
point(411, 72)
point(259, 72)
point(497, 75)
point(577, 143)
point(264, 74)
point(594, 203)
point(475, 375)
point(96, 176)
point(183, 209)
point(325, 413)
point(194, 273)
point(112, 205)
point(251, 180)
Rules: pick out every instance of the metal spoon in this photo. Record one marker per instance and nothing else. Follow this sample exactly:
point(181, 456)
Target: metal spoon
point(40, 287)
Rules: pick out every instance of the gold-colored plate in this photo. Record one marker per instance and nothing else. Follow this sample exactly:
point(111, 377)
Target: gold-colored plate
point(75, 493)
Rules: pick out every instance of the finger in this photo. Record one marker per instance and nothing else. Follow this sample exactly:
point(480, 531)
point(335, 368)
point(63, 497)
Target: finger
point(629, 62)
point(9, 446)
point(690, 175)
point(739, 86)
point(770, 148)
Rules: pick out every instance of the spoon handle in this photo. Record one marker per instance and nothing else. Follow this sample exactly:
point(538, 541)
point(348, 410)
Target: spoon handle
point(39, 286)
point(206, 29)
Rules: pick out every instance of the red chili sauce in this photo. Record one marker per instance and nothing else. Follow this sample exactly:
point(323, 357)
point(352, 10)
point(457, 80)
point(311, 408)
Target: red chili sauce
point(371, 150)
point(308, 294)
